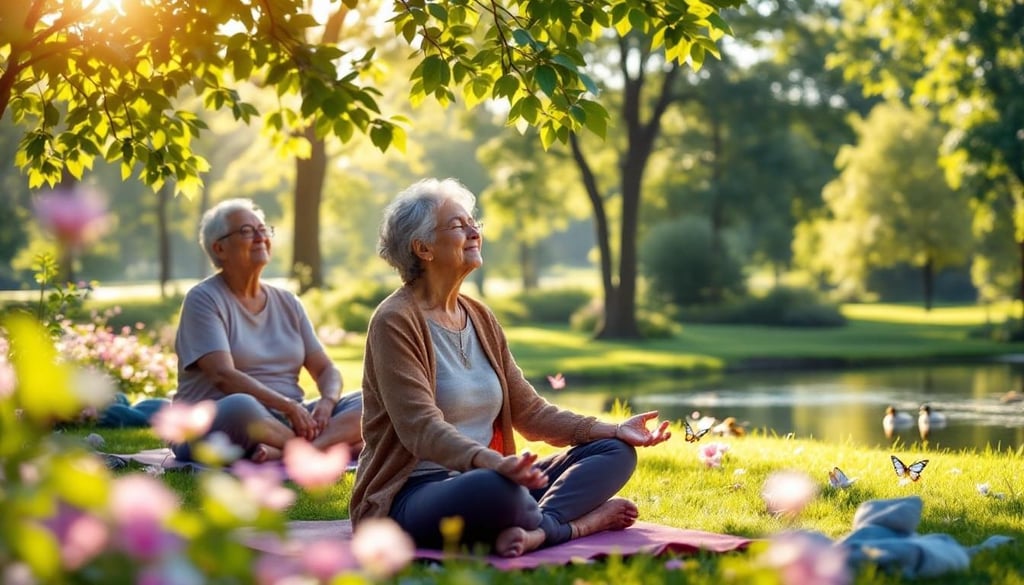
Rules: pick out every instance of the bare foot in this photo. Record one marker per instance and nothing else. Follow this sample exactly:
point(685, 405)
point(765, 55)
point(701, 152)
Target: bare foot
point(263, 453)
point(615, 514)
point(515, 541)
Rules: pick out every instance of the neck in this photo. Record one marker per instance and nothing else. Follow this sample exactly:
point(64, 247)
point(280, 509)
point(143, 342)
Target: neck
point(243, 285)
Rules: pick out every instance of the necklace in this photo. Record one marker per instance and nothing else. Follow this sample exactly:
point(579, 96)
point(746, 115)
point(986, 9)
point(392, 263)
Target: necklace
point(459, 339)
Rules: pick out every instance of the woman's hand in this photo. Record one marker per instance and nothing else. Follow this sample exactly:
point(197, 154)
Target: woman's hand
point(303, 424)
point(322, 413)
point(634, 430)
point(520, 469)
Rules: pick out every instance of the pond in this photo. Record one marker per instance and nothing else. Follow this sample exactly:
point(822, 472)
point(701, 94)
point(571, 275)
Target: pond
point(836, 406)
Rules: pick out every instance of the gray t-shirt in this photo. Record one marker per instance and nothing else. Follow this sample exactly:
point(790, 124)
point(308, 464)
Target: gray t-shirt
point(270, 345)
point(468, 390)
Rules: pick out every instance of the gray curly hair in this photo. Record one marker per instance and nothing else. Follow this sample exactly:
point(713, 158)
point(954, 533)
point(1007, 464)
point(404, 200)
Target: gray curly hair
point(214, 223)
point(411, 216)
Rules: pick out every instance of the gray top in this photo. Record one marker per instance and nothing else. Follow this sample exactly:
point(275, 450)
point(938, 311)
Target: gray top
point(270, 345)
point(468, 390)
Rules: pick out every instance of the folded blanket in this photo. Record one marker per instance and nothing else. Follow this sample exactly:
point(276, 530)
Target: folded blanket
point(885, 533)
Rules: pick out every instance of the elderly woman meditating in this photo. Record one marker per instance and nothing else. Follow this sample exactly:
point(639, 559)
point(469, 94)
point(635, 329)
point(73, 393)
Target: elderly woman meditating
point(242, 343)
point(443, 398)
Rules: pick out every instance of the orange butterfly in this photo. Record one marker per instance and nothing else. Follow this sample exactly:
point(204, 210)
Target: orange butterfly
point(692, 437)
point(913, 471)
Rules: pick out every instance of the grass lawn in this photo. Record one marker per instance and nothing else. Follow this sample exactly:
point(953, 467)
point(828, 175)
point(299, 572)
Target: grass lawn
point(672, 487)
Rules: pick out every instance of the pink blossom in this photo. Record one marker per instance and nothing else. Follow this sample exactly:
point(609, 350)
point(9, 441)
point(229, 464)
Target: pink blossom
point(75, 216)
point(382, 547)
point(17, 573)
point(786, 493)
point(263, 483)
point(312, 468)
point(7, 380)
point(711, 454)
point(81, 536)
point(804, 559)
point(557, 381)
point(324, 559)
point(180, 422)
point(139, 505)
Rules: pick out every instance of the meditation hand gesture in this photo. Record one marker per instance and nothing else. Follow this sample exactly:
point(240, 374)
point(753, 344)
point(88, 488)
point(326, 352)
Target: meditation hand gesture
point(634, 430)
point(520, 469)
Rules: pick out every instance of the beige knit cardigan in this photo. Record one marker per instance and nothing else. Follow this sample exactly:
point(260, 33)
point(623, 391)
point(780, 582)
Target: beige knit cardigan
point(401, 422)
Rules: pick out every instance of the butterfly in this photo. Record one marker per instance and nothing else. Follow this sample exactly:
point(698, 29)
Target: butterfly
point(692, 437)
point(838, 479)
point(913, 471)
point(557, 381)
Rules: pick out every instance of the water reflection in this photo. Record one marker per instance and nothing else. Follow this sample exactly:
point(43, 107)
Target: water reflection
point(838, 406)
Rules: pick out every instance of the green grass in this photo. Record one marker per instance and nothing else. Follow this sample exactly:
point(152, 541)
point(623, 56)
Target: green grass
point(672, 487)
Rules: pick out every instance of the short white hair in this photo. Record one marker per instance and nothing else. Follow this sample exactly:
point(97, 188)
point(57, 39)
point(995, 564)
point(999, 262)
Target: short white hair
point(214, 224)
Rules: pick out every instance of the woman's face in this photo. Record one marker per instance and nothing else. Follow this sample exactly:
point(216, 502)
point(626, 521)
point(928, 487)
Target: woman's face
point(246, 244)
point(458, 242)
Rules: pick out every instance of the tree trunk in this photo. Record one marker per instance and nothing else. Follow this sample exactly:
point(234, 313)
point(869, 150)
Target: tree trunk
point(163, 237)
point(528, 266)
point(928, 275)
point(1020, 285)
point(309, 184)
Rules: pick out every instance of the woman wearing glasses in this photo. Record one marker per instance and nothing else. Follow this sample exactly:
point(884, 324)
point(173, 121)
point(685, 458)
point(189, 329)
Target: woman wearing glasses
point(242, 343)
point(443, 396)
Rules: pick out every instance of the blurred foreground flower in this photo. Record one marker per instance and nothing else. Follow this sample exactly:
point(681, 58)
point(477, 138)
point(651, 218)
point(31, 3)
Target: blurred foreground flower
point(324, 559)
point(139, 505)
point(557, 381)
point(264, 484)
point(786, 493)
point(75, 216)
point(312, 468)
point(381, 547)
point(180, 422)
point(806, 559)
point(710, 454)
point(81, 535)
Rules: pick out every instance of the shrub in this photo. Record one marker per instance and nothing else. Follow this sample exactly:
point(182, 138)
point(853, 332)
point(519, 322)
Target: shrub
point(349, 309)
point(652, 324)
point(782, 306)
point(677, 259)
point(508, 310)
point(553, 305)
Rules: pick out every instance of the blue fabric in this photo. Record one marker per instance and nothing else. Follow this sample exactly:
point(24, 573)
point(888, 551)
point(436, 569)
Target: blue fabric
point(885, 534)
point(122, 414)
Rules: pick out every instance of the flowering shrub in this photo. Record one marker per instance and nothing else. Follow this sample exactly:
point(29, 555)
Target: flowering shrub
point(139, 366)
point(65, 518)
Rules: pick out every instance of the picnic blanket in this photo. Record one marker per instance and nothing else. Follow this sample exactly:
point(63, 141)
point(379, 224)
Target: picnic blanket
point(641, 538)
point(164, 458)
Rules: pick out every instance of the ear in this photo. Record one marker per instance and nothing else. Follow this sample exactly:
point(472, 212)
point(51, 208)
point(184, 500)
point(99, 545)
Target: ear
point(422, 250)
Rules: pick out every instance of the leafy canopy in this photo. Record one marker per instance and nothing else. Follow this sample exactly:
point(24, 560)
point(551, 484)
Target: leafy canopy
point(87, 83)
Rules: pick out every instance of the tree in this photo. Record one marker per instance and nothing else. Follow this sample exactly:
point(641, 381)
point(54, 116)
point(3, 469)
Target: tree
point(86, 83)
point(965, 58)
point(891, 203)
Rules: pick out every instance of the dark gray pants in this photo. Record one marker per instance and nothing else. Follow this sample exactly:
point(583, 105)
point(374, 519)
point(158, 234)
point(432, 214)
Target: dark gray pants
point(235, 412)
point(579, 480)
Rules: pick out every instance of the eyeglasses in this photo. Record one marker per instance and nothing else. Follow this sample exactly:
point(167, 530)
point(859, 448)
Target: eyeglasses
point(249, 232)
point(465, 226)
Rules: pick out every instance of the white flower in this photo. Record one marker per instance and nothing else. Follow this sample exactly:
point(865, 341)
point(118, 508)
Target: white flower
point(786, 493)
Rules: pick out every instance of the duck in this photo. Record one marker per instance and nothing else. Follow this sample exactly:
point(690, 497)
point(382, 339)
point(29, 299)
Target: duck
point(894, 419)
point(928, 420)
point(728, 428)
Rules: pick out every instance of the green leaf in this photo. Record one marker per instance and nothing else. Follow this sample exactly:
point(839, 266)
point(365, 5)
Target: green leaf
point(381, 137)
point(435, 73)
point(38, 548)
point(44, 385)
point(547, 79)
point(506, 86)
point(51, 116)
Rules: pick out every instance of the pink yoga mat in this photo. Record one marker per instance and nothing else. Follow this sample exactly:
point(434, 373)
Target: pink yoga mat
point(641, 538)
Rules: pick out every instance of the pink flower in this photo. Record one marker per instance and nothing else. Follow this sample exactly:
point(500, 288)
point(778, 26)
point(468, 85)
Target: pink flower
point(312, 468)
point(557, 381)
point(7, 380)
point(180, 422)
point(263, 483)
point(786, 493)
point(139, 505)
point(710, 454)
point(75, 216)
point(276, 570)
point(803, 559)
point(324, 559)
point(82, 536)
point(382, 547)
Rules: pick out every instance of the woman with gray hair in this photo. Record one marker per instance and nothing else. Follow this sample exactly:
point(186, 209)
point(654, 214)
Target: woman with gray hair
point(242, 343)
point(443, 398)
